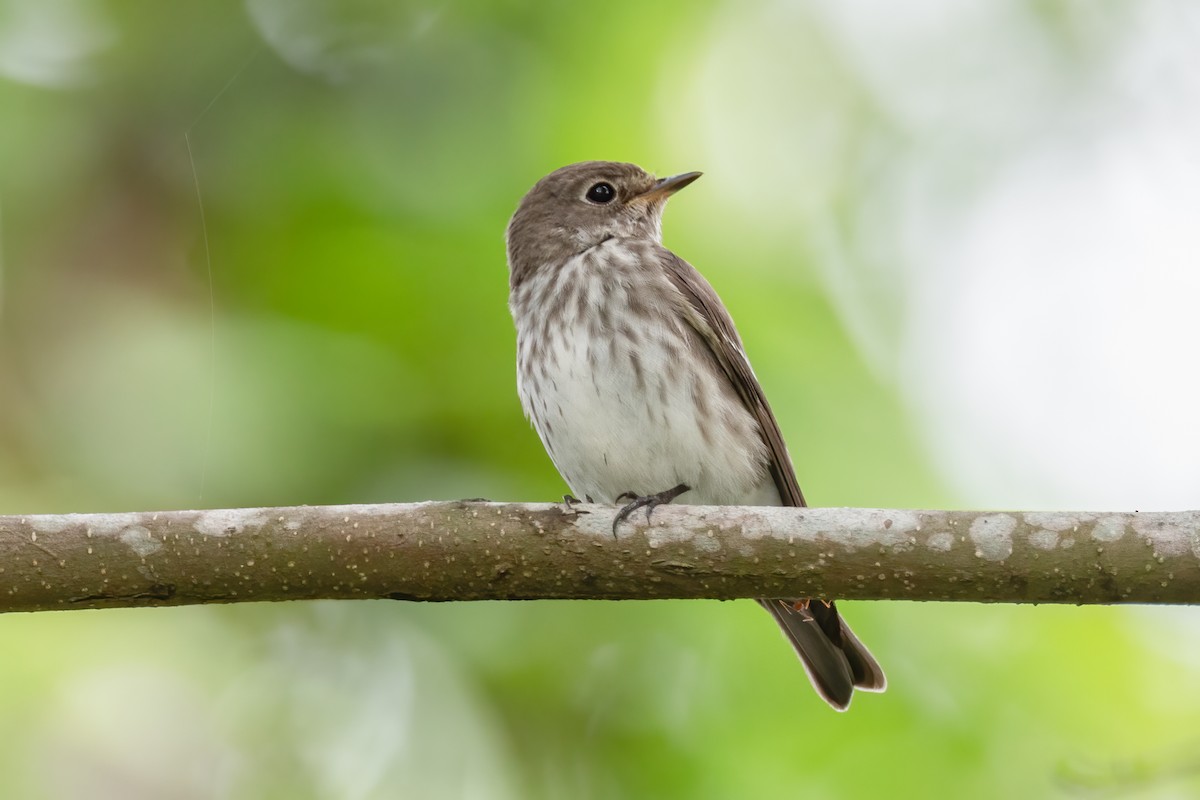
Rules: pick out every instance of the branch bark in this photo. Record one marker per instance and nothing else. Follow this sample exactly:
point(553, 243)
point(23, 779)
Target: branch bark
point(508, 551)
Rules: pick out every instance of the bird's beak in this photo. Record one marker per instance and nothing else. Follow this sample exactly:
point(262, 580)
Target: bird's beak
point(667, 187)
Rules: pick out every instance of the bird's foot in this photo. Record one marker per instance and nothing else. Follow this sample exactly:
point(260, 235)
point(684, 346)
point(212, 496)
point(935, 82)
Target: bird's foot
point(649, 502)
point(570, 501)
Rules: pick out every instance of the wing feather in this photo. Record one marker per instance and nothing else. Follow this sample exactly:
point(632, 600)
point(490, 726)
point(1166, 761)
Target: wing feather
point(836, 661)
point(707, 315)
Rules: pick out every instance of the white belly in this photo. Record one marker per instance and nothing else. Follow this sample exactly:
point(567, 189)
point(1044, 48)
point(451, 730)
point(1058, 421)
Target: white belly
point(635, 408)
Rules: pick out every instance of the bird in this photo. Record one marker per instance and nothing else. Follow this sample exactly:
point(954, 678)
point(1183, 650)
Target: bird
point(636, 380)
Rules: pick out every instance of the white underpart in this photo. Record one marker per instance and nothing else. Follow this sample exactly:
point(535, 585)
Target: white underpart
point(601, 418)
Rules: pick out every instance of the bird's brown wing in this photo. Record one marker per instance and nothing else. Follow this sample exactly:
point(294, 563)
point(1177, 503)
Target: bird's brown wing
point(707, 315)
point(836, 661)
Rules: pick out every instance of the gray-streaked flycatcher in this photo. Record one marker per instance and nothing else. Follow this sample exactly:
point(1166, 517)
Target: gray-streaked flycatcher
point(636, 380)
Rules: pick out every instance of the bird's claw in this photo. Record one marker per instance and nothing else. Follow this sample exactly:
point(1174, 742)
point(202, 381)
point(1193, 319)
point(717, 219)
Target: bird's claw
point(570, 501)
point(649, 502)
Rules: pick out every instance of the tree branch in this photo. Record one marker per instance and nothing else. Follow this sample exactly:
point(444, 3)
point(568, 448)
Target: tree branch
point(508, 551)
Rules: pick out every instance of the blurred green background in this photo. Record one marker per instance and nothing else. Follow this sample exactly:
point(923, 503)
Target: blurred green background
point(252, 254)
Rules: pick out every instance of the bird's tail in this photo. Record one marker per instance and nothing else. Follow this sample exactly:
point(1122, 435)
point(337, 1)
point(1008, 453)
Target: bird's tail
point(837, 663)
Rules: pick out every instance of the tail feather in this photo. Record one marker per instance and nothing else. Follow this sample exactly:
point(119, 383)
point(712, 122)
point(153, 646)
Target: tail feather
point(837, 663)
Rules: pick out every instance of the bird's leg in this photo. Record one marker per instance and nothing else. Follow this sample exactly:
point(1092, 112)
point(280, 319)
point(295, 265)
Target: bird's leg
point(649, 502)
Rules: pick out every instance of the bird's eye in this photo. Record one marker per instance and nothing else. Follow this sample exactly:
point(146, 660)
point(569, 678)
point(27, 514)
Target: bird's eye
point(601, 193)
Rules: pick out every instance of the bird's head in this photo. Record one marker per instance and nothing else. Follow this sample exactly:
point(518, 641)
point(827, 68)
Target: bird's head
point(581, 205)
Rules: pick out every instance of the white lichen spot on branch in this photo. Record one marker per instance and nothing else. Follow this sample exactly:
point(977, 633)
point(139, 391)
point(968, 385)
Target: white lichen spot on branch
point(1056, 521)
point(100, 524)
point(140, 540)
point(992, 536)
point(1109, 529)
point(1169, 539)
point(227, 522)
point(940, 541)
point(1044, 539)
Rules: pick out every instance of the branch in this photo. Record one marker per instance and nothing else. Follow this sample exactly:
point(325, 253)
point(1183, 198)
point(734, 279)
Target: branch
point(509, 551)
